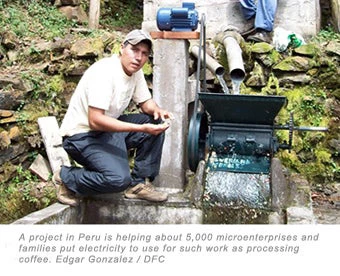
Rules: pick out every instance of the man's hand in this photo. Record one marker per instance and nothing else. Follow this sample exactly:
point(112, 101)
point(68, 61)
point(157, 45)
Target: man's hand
point(163, 114)
point(151, 108)
point(155, 129)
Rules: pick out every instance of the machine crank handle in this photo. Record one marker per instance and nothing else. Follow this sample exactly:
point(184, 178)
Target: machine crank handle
point(291, 128)
point(301, 128)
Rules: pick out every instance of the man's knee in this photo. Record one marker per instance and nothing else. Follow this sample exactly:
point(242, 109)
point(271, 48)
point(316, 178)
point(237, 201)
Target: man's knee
point(116, 183)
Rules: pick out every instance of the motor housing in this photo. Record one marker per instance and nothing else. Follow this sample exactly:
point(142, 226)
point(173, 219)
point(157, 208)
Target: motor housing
point(178, 19)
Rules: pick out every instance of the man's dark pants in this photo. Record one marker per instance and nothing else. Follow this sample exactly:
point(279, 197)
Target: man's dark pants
point(104, 158)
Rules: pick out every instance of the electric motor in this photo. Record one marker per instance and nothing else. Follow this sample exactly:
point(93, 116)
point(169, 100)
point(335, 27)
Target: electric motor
point(178, 19)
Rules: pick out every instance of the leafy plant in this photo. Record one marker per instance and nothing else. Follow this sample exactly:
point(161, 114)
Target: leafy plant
point(23, 195)
point(326, 34)
point(48, 21)
point(11, 18)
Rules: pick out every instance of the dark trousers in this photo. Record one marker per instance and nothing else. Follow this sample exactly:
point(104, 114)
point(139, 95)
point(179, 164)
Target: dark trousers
point(105, 160)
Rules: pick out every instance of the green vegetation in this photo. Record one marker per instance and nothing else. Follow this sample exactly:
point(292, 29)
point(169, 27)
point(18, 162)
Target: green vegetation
point(38, 18)
point(29, 19)
point(326, 34)
point(310, 104)
point(23, 195)
point(310, 155)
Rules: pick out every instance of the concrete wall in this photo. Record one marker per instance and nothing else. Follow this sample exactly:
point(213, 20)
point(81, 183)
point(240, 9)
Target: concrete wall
point(302, 17)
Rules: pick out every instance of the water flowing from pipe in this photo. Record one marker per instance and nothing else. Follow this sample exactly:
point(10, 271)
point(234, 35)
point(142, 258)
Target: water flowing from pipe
point(223, 84)
point(236, 83)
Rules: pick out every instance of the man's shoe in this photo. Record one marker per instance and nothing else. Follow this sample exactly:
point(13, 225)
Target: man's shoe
point(145, 191)
point(64, 195)
point(260, 36)
point(248, 32)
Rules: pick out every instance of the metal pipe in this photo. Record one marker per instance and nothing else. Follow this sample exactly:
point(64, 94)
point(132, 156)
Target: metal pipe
point(234, 54)
point(211, 63)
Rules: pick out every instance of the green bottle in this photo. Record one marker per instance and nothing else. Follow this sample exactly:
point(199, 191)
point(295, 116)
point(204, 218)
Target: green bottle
point(294, 41)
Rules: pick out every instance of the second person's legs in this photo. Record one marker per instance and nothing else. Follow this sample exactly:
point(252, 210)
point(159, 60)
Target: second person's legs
point(265, 14)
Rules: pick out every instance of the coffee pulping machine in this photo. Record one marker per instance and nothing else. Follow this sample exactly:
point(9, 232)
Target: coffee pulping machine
point(235, 135)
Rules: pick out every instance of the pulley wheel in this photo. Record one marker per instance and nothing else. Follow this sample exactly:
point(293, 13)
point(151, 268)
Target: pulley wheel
point(198, 129)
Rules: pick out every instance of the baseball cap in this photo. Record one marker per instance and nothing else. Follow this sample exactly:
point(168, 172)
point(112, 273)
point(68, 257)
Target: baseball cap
point(136, 36)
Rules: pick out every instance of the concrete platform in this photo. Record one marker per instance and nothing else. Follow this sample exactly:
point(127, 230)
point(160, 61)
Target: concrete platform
point(115, 209)
point(291, 205)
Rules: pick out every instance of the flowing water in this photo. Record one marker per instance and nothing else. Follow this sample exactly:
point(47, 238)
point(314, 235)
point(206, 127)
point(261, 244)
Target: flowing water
point(223, 84)
point(236, 86)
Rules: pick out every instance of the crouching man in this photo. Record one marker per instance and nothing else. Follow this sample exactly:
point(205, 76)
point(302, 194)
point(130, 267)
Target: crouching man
point(97, 135)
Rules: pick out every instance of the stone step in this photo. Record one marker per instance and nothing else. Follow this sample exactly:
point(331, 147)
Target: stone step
point(114, 208)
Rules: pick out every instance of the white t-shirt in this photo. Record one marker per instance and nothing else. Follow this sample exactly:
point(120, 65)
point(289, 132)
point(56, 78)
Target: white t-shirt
point(104, 85)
